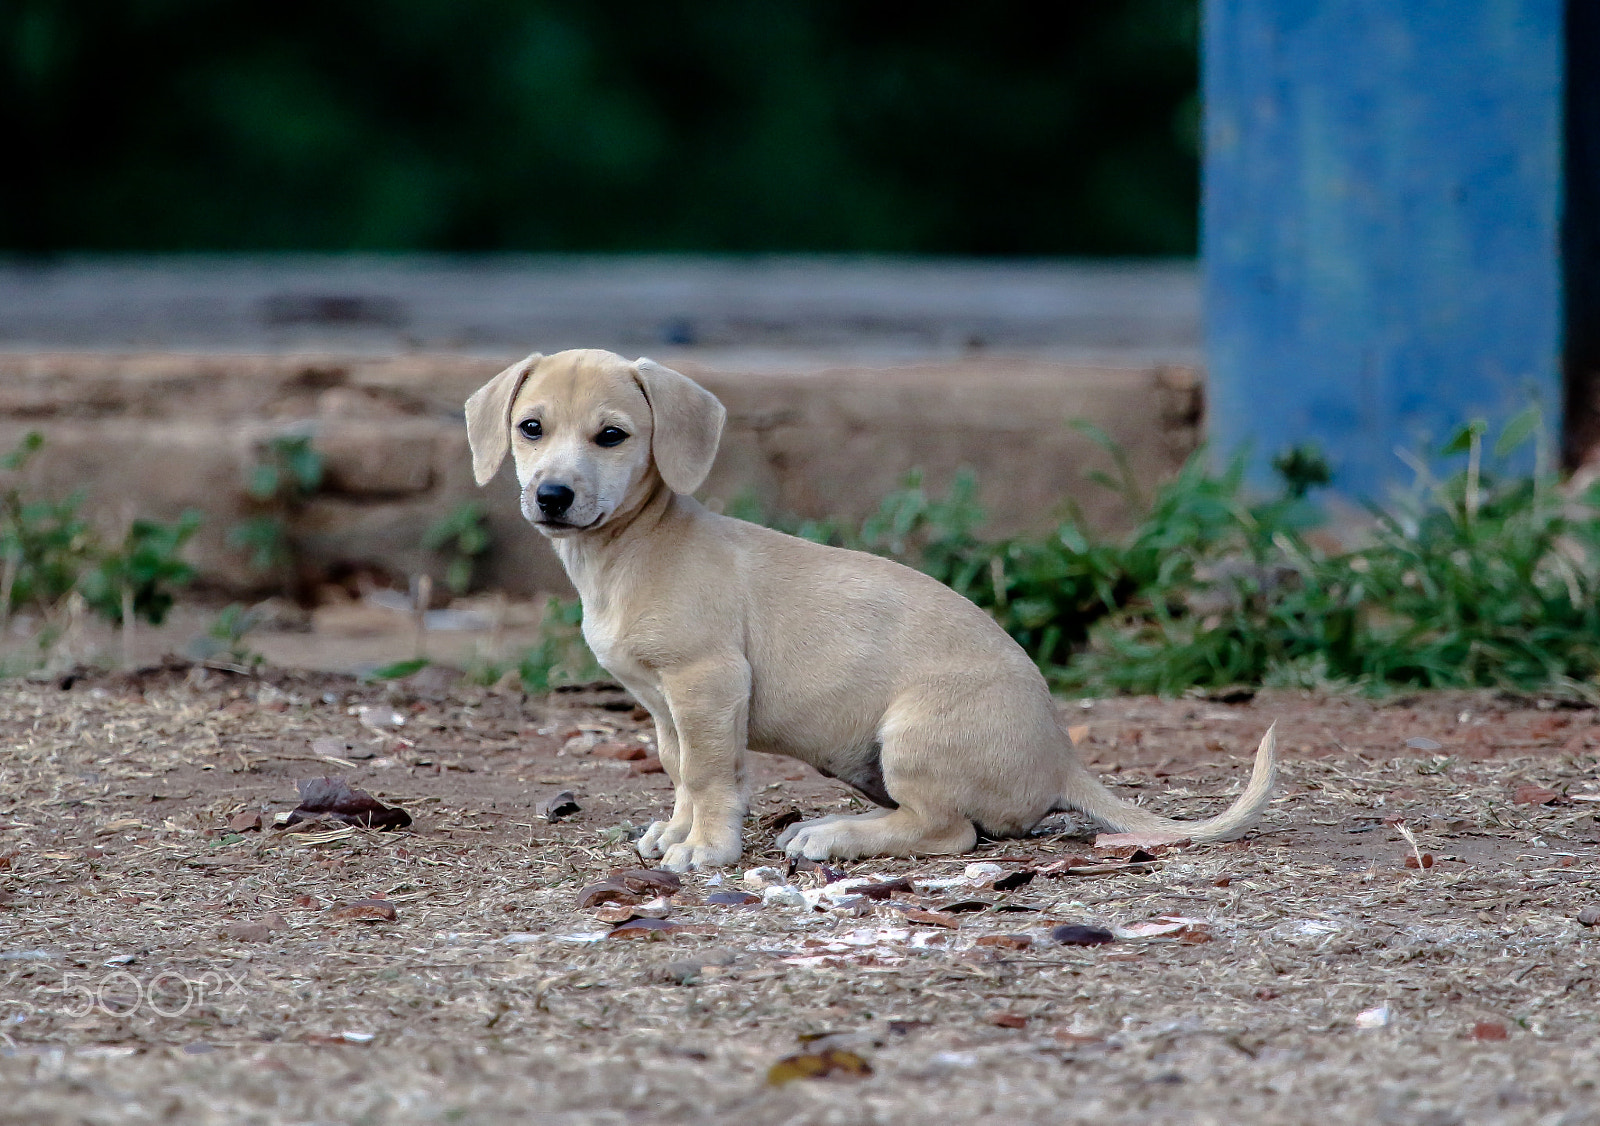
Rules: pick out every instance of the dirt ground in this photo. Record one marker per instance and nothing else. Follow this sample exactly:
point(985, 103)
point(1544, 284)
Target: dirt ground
point(156, 965)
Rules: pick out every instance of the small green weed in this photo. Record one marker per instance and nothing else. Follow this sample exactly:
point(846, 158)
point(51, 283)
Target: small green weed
point(399, 670)
point(1467, 581)
point(145, 566)
point(224, 639)
point(286, 475)
point(462, 535)
point(49, 552)
point(559, 657)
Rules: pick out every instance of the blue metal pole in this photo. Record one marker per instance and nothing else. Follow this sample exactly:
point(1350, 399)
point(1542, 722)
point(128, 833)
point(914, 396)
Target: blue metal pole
point(1381, 224)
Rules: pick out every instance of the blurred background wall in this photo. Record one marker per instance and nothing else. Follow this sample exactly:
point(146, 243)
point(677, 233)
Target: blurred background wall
point(1004, 128)
point(889, 236)
point(228, 225)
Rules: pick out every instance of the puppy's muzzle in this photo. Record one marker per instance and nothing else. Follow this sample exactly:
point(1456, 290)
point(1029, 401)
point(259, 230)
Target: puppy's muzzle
point(553, 500)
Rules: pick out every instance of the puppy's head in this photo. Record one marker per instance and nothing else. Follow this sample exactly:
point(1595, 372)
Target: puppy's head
point(590, 433)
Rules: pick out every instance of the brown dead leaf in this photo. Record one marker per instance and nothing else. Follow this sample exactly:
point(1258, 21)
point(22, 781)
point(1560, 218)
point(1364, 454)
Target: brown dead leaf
point(244, 821)
point(1423, 861)
point(648, 881)
point(650, 764)
point(1008, 1020)
point(1490, 1030)
point(657, 908)
point(884, 890)
point(606, 891)
point(334, 799)
point(1005, 941)
point(364, 911)
point(1530, 794)
point(817, 1065)
point(557, 806)
point(931, 918)
point(1078, 733)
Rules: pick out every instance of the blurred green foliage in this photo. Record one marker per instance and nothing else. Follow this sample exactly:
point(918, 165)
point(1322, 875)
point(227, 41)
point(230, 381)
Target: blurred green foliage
point(286, 474)
point(462, 535)
point(1468, 580)
point(1012, 127)
point(49, 551)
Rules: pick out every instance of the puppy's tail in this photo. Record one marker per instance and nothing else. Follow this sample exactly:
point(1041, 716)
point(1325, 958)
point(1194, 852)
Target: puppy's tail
point(1085, 793)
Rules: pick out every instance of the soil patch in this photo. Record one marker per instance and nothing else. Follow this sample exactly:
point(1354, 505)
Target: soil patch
point(162, 958)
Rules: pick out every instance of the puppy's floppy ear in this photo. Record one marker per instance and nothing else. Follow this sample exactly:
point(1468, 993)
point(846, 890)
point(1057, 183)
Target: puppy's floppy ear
point(489, 418)
point(688, 425)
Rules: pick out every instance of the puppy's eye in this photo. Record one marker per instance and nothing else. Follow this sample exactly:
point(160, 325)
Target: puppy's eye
point(531, 428)
point(611, 436)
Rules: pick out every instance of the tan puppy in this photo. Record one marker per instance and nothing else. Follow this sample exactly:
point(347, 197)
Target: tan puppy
point(736, 636)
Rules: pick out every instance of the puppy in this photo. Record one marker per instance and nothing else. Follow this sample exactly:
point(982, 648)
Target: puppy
point(736, 636)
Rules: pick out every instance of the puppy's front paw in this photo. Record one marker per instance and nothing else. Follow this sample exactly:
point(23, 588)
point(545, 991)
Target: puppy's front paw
point(661, 836)
point(691, 855)
point(814, 840)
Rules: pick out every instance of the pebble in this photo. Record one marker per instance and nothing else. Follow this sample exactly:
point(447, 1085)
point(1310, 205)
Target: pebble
point(757, 879)
point(1589, 916)
point(982, 872)
point(784, 895)
point(1373, 1018)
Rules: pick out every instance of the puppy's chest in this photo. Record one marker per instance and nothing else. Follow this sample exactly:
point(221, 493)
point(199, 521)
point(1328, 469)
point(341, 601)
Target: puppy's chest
point(610, 647)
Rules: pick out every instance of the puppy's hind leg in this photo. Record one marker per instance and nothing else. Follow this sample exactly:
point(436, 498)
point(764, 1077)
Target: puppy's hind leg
point(883, 832)
point(926, 821)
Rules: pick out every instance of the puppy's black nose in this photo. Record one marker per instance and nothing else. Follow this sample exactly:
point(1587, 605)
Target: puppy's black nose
point(553, 500)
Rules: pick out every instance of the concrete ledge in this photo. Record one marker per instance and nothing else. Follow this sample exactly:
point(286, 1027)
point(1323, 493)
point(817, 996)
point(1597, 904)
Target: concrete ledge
point(161, 432)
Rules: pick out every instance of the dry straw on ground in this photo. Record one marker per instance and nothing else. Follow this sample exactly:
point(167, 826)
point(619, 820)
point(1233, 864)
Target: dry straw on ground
point(157, 965)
